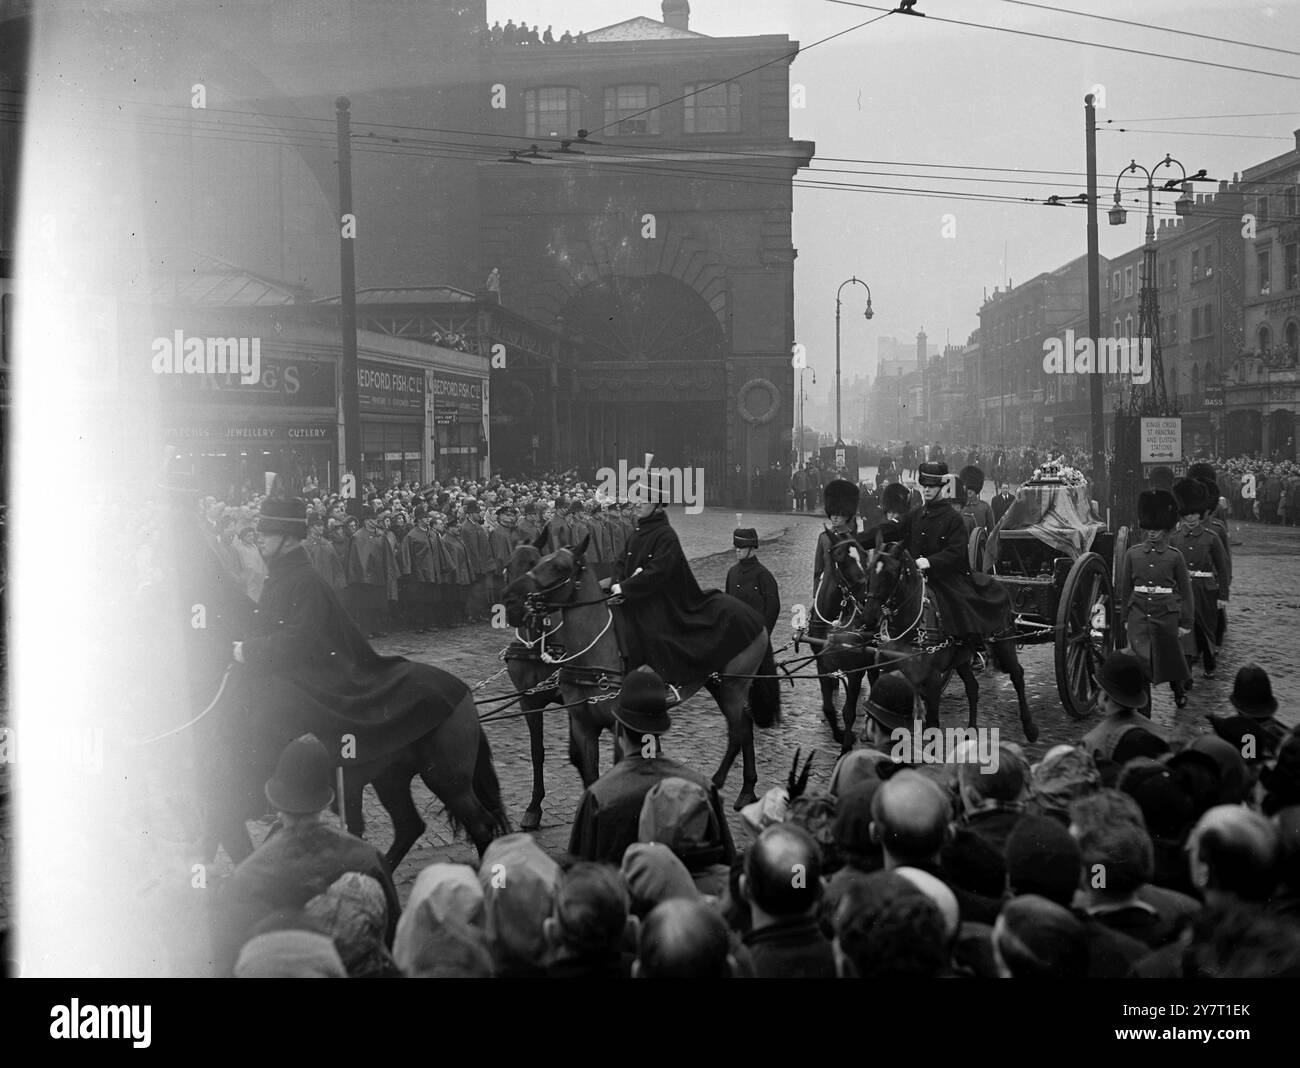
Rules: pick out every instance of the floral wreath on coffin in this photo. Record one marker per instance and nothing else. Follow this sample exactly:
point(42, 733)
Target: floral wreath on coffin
point(1057, 473)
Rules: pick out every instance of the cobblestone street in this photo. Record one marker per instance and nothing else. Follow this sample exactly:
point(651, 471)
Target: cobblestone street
point(1264, 613)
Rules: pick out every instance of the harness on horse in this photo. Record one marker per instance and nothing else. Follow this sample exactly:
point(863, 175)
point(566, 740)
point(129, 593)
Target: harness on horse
point(606, 679)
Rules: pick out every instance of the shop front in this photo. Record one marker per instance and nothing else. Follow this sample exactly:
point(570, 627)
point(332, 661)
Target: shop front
point(232, 458)
point(231, 433)
point(457, 417)
point(391, 398)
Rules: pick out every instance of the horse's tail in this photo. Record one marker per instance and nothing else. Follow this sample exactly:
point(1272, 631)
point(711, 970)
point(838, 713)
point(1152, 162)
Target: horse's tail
point(765, 693)
point(487, 788)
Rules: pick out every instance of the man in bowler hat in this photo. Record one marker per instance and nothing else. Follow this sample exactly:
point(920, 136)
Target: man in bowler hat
point(609, 814)
point(1124, 700)
point(301, 857)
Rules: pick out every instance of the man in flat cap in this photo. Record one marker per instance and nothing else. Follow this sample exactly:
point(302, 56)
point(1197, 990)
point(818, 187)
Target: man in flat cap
point(751, 582)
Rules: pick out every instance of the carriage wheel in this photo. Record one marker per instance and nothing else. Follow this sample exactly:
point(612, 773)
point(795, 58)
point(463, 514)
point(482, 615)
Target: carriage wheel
point(1121, 547)
point(975, 548)
point(1085, 633)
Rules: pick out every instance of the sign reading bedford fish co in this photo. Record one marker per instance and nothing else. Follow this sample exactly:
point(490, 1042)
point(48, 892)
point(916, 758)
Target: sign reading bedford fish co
point(390, 387)
point(458, 395)
point(1162, 441)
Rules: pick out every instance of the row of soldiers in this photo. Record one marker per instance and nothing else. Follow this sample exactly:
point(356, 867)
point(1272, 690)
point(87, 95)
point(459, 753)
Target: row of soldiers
point(440, 569)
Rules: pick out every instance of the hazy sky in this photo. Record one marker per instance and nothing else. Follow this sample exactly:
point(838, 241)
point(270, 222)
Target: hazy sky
point(916, 91)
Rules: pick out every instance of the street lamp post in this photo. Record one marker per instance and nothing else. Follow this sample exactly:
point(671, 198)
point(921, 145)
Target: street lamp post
point(839, 438)
point(1148, 298)
point(802, 395)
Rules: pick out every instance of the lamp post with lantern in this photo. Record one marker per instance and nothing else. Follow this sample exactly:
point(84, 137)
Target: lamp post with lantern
point(839, 437)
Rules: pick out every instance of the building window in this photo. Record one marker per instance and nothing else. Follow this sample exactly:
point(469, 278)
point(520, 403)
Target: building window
point(1265, 340)
point(1196, 322)
point(1114, 283)
point(1162, 273)
point(1128, 327)
point(1293, 266)
point(1207, 319)
point(1196, 264)
point(1128, 281)
point(1289, 202)
point(1263, 270)
point(1261, 209)
point(712, 108)
point(1209, 261)
point(624, 105)
point(1291, 335)
point(553, 111)
point(1115, 332)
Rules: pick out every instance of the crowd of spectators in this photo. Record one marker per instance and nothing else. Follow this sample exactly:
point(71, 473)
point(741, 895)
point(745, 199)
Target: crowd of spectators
point(1115, 857)
point(522, 34)
point(424, 558)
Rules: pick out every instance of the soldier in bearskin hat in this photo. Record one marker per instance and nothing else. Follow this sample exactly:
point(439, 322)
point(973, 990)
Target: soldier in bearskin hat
point(1216, 521)
point(1155, 590)
point(975, 512)
point(749, 581)
point(1208, 566)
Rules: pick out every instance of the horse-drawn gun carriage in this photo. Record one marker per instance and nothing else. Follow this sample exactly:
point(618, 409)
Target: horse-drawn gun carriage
point(1059, 564)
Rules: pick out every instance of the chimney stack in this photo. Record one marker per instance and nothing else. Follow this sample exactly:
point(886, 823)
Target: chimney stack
point(677, 14)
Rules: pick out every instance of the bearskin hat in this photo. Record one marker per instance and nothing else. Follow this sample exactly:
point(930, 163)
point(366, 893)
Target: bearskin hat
point(1157, 510)
point(1203, 470)
point(972, 478)
point(896, 498)
point(840, 497)
point(1212, 493)
point(1191, 496)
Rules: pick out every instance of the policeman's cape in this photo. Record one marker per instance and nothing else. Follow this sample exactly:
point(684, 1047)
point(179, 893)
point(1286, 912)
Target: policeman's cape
point(311, 670)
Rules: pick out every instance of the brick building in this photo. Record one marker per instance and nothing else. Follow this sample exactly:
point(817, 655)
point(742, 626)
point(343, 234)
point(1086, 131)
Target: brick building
point(643, 294)
point(1262, 394)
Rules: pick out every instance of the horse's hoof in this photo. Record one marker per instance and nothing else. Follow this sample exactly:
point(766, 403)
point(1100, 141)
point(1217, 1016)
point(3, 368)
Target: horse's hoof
point(1031, 730)
point(532, 820)
point(746, 797)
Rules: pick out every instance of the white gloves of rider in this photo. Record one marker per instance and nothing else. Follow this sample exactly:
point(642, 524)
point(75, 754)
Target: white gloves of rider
point(922, 564)
point(237, 652)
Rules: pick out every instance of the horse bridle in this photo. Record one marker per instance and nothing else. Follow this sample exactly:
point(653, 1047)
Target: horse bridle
point(536, 606)
point(889, 606)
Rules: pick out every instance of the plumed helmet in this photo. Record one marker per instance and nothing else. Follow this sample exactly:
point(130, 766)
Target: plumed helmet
point(1191, 496)
point(896, 498)
point(972, 478)
point(841, 497)
point(1157, 510)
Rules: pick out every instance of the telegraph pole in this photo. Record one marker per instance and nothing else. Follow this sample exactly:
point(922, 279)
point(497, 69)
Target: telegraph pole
point(348, 298)
point(1100, 476)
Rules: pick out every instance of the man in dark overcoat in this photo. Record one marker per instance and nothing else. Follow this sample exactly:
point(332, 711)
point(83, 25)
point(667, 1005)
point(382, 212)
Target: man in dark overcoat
point(311, 670)
point(681, 631)
point(751, 582)
point(971, 606)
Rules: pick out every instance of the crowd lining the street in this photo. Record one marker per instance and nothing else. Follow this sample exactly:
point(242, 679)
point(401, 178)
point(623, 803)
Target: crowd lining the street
point(1116, 856)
